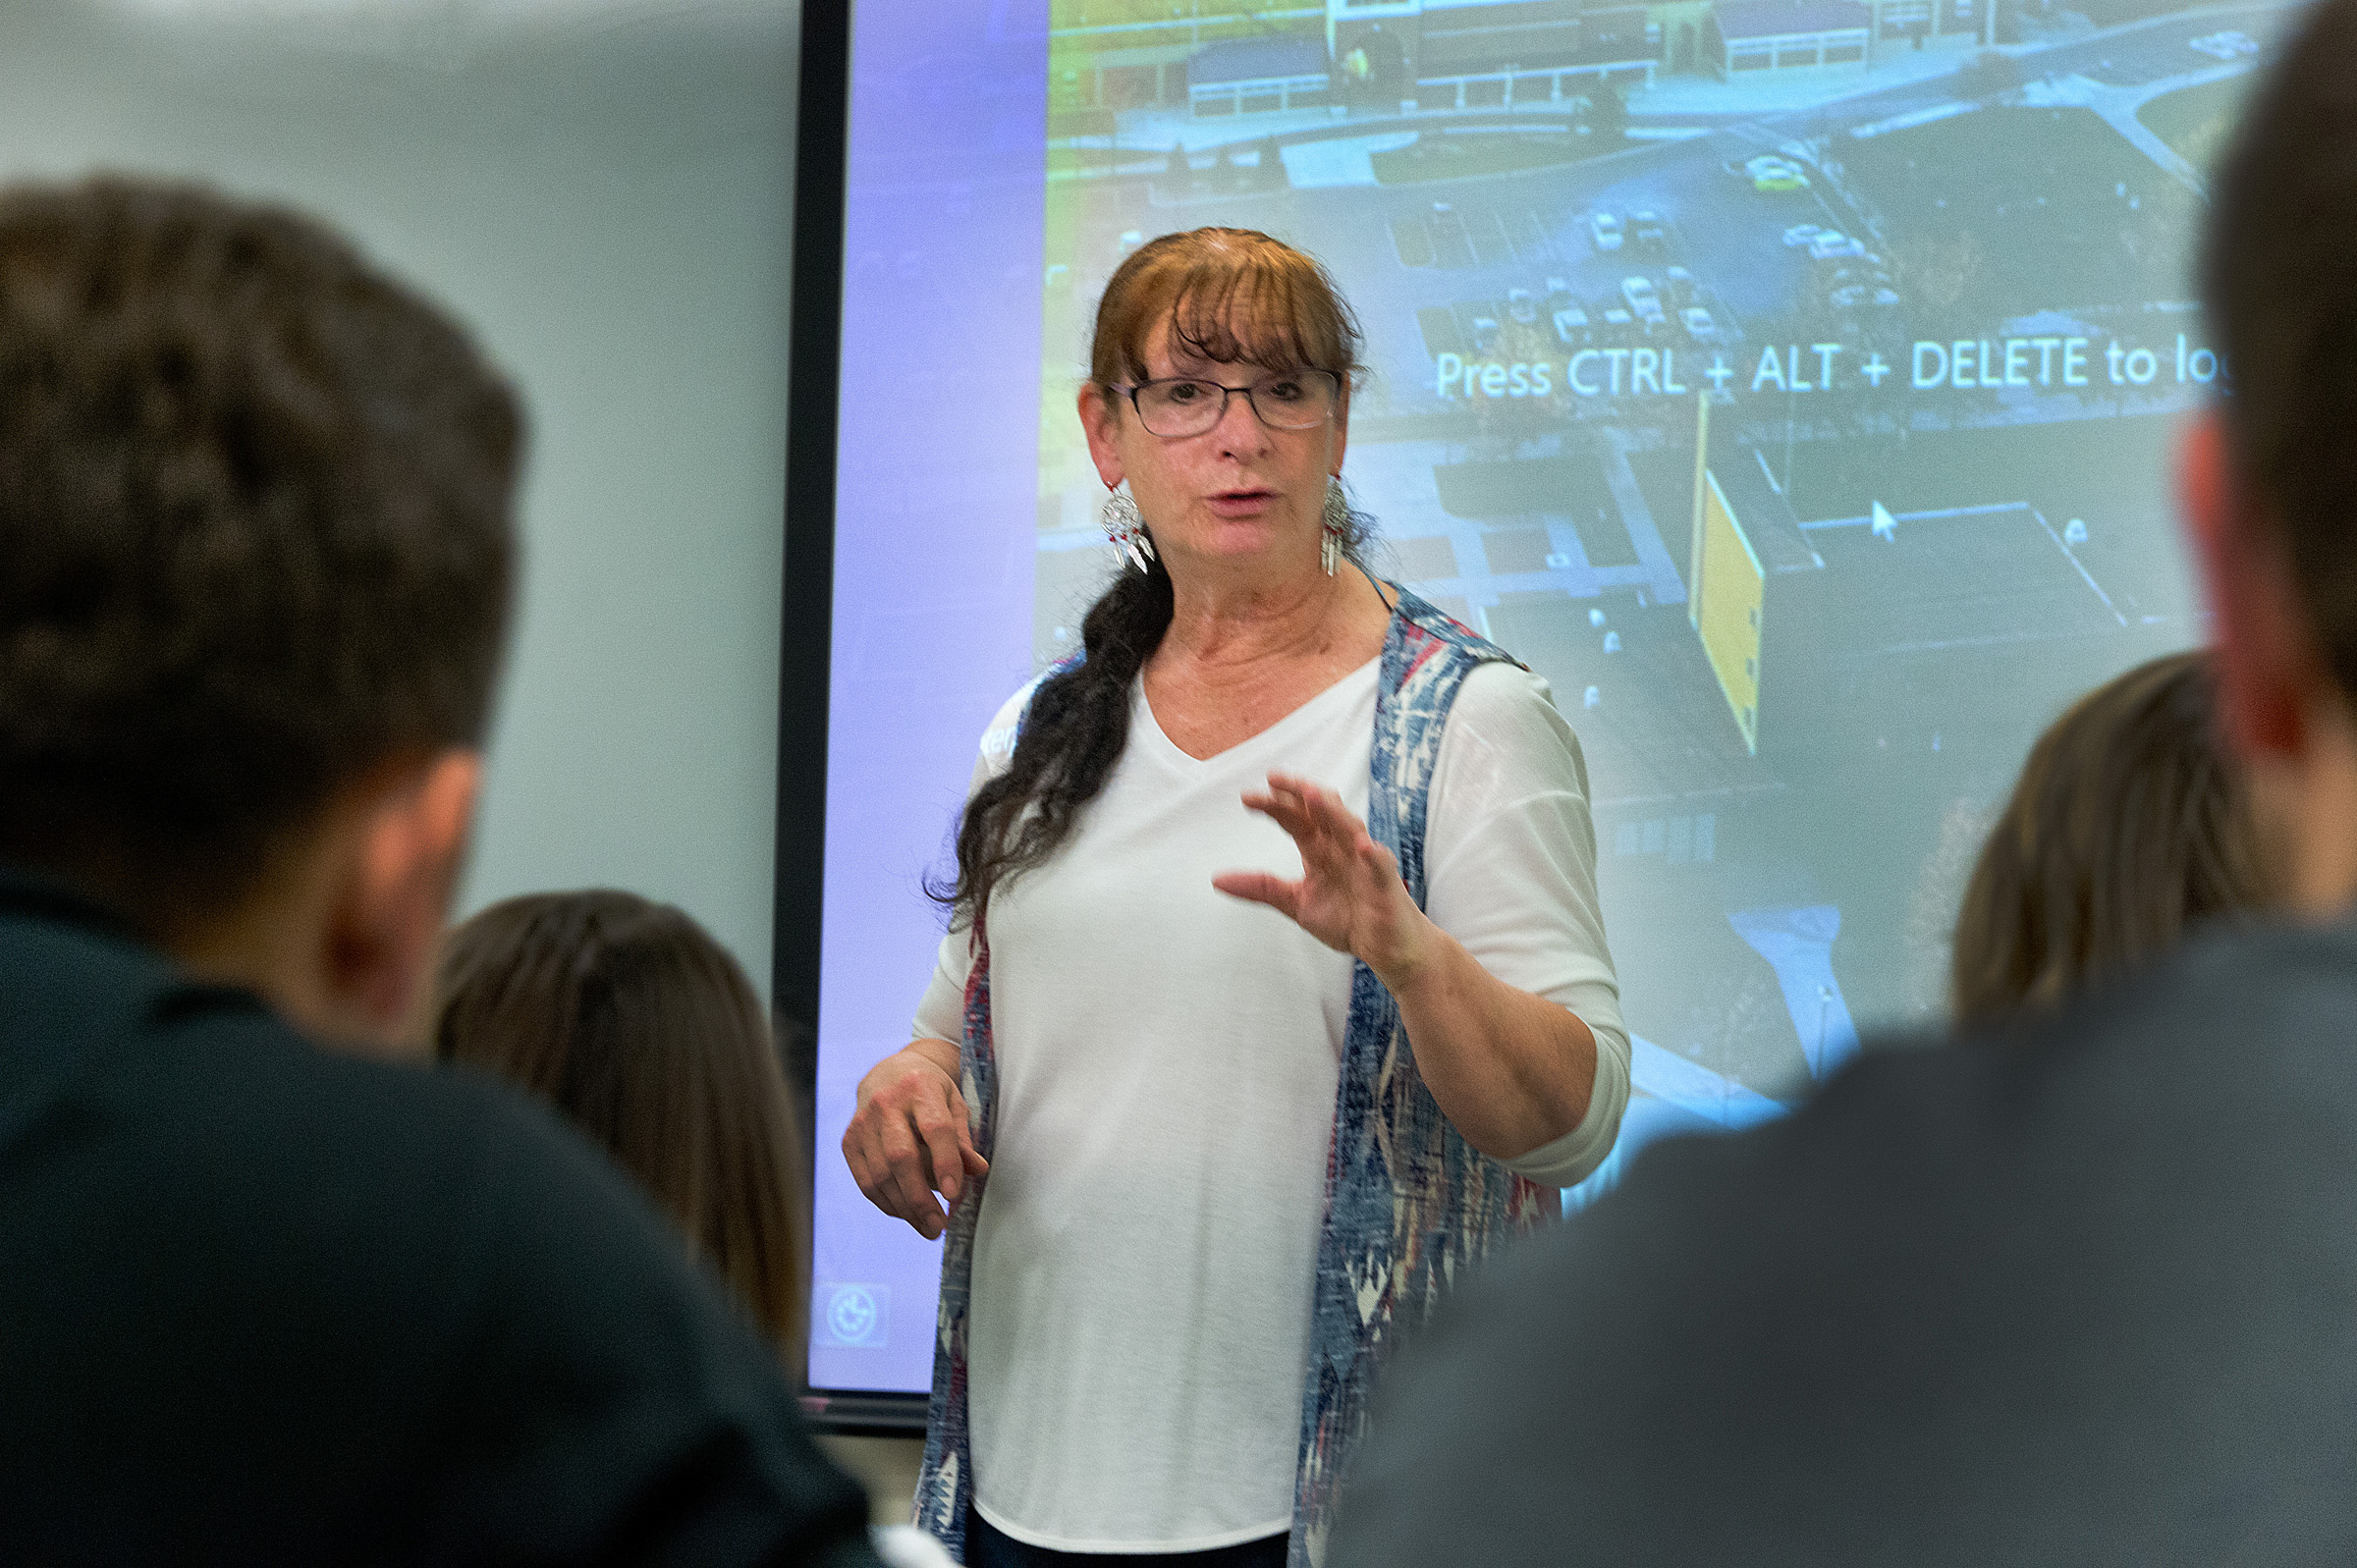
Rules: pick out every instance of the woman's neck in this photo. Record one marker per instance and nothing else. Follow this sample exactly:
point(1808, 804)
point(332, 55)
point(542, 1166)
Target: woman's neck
point(1233, 626)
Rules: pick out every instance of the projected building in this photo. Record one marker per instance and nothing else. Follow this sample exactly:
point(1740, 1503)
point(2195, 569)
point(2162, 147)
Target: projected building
point(1118, 55)
point(1472, 54)
point(1782, 34)
point(1246, 75)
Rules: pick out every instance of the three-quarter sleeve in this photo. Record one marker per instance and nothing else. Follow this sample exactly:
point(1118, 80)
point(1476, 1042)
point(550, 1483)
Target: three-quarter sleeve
point(1509, 854)
point(940, 1010)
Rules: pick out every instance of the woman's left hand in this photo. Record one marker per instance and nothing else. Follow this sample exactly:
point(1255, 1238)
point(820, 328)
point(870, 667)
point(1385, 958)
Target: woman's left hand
point(1511, 1070)
point(1349, 897)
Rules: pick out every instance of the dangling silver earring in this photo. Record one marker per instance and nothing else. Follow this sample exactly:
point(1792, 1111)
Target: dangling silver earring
point(1336, 524)
point(1126, 529)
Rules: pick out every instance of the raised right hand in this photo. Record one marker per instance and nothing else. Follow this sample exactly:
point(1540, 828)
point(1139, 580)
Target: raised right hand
point(909, 1138)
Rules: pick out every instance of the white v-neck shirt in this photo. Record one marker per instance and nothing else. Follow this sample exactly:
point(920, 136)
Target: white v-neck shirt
point(1137, 1328)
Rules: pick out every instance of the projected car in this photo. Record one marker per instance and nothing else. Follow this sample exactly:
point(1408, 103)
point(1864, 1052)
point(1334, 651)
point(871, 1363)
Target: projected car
point(1772, 175)
point(1643, 298)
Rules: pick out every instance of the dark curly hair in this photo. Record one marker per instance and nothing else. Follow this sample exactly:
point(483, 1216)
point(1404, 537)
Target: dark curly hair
point(1228, 295)
point(255, 535)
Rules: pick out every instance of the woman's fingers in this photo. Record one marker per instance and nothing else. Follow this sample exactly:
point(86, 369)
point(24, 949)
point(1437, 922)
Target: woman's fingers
point(969, 1158)
point(1261, 887)
point(909, 1139)
point(1328, 832)
point(907, 1183)
point(1322, 830)
point(1320, 808)
point(1326, 810)
point(1283, 809)
point(873, 1166)
point(1337, 854)
point(943, 1151)
point(855, 1155)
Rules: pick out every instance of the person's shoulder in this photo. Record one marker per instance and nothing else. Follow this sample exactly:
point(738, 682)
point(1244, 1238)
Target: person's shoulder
point(2207, 1043)
point(2222, 1035)
point(516, 1301)
point(69, 974)
point(1925, 1158)
point(2209, 1047)
point(1499, 696)
point(359, 1277)
point(1500, 688)
point(1989, 1245)
point(1006, 725)
point(426, 1161)
point(203, 1104)
point(1504, 721)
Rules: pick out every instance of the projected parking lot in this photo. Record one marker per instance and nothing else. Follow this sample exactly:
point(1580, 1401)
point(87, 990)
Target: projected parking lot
point(1789, 381)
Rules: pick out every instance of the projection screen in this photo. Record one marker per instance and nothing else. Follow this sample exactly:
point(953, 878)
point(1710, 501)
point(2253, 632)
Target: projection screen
point(1789, 381)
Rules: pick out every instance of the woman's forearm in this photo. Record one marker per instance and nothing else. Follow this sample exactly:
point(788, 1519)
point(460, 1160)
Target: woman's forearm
point(1511, 1070)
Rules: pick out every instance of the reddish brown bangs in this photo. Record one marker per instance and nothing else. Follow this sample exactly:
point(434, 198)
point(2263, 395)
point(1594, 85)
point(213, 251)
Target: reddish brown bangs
point(1230, 295)
point(1252, 313)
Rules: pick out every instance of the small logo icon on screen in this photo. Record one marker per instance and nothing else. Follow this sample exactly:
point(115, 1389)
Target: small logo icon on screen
point(855, 1316)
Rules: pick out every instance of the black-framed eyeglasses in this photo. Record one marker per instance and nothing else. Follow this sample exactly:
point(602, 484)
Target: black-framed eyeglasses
point(1189, 406)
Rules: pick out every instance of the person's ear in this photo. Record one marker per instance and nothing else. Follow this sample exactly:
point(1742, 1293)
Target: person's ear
point(1099, 418)
point(389, 906)
point(2264, 653)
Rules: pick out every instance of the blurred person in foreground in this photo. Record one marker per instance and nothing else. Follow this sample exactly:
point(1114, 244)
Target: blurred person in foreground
point(265, 1301)
point(2087, 1299)
point(2131, 826)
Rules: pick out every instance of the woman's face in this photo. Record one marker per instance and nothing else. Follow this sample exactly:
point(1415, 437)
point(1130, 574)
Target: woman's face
point(1239, 493)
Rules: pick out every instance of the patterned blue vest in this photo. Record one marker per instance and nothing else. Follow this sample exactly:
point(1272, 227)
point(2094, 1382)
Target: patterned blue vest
point(1409, 1203)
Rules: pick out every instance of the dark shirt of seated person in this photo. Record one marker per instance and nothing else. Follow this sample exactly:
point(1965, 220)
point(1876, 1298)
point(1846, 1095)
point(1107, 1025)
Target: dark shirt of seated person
point(262, 1301)
point(2132, 827)
point(629, 1018)
point(2081, 1297)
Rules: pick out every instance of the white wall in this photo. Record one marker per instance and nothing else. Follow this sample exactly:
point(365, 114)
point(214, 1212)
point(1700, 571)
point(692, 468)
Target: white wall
point(601, 188)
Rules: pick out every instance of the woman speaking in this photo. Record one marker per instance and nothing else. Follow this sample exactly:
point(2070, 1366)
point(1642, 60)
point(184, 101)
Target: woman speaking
point(1274, 969)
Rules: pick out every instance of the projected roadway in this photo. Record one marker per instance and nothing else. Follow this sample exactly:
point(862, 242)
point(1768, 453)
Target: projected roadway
point(1806, 428)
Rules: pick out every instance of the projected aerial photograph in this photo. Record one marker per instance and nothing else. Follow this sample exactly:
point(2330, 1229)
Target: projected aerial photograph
point(1790, 382)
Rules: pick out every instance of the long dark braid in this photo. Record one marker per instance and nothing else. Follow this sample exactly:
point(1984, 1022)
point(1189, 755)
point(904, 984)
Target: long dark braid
point(1072, 737)
point(1230, 294)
